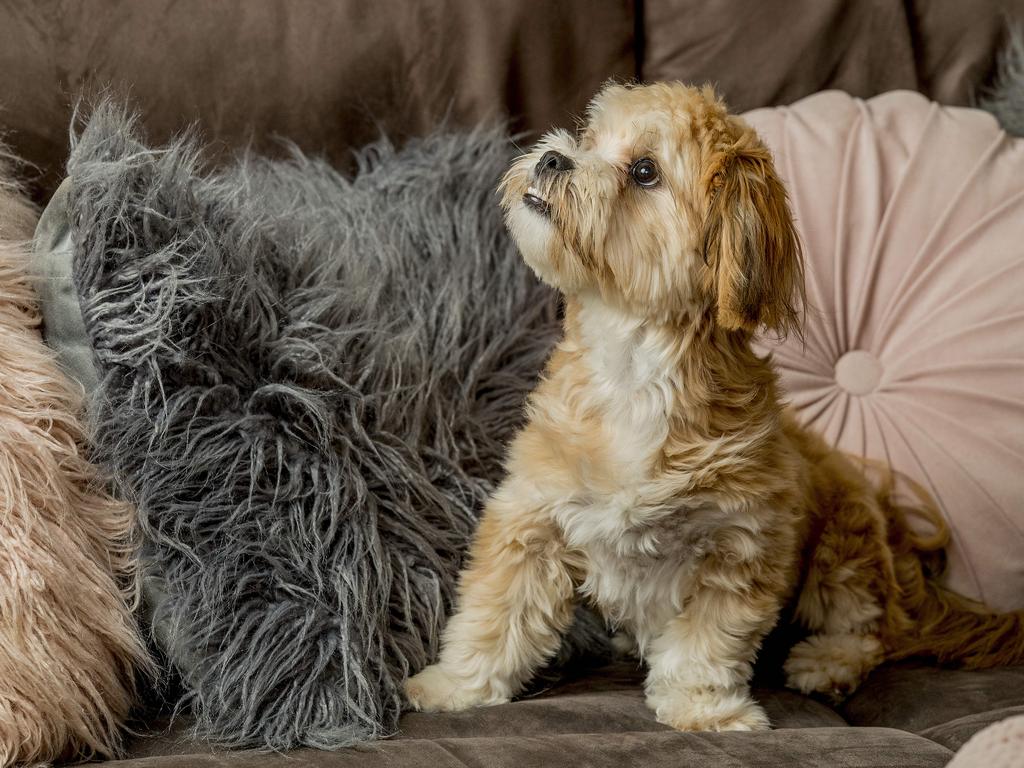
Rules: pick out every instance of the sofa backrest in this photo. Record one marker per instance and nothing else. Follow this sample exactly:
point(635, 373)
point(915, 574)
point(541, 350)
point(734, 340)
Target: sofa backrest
point(332, 75)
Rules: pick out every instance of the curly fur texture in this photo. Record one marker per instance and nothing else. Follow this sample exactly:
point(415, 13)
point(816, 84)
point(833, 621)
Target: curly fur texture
point(307, 384)
point(660, 477)
point(69, 646)
point(1005, 97)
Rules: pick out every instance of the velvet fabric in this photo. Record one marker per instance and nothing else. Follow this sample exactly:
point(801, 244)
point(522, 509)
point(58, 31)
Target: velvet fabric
point(762, 54)
point(912, 219)
point(330, 75)
point(598, 717)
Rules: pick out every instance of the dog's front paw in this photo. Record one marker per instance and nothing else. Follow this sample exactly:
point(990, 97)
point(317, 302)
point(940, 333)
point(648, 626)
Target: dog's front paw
point(708, 709)
point(437, 689)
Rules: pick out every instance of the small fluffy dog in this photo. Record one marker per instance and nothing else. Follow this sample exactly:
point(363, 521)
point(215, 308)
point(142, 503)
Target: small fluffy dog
point(659, 477)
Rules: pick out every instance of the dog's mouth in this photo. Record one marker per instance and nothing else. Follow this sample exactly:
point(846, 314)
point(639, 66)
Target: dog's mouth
point(535, 202)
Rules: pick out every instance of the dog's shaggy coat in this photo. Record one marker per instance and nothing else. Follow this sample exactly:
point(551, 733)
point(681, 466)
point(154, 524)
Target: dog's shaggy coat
point(307, 384)
point(69, 645)
point(659, 477)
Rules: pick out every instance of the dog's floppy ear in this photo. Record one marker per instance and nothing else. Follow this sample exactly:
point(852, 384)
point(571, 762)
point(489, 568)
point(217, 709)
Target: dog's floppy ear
point(749, 242)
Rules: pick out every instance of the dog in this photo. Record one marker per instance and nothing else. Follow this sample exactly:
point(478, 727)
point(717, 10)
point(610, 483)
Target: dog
point(659, 476)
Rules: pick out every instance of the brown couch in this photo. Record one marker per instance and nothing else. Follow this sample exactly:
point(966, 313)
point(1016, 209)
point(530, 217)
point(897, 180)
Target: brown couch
point(332, 74)
point(912, 716)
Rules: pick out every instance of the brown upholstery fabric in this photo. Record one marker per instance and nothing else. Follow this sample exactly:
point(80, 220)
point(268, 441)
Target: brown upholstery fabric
point(328, 74)
point(909, 715)
point(923, 699)
point(333, 74)
point(597, 720)
point(956, 733)
point(607, 700)
point(811, 748)
point(762, 54)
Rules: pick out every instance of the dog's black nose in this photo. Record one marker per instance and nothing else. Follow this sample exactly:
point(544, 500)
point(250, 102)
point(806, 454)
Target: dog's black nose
point(553, 162)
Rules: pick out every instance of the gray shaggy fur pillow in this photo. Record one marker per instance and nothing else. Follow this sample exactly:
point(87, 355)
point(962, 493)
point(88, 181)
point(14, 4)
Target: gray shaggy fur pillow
point(306, 385)
point(1005, 97)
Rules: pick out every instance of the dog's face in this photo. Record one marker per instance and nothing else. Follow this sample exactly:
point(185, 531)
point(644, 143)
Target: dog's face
point(664, 205)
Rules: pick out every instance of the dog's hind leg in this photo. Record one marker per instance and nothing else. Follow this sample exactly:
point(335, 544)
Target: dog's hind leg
point(833, 664)
point(847, 597)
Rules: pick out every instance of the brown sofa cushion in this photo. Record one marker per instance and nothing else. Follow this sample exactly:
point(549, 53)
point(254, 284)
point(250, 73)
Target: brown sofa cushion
point(807, 748)
point(956, 733)
point(600, 719)
point(328, 74)
point(762, 54)
point(331, 74)
point(946, 705)
point(608, 699)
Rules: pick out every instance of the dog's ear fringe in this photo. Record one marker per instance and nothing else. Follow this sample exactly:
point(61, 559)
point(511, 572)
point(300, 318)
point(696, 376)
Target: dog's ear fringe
point(750, 243)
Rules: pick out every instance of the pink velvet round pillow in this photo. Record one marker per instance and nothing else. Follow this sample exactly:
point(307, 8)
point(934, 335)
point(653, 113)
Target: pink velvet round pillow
point(912, 219)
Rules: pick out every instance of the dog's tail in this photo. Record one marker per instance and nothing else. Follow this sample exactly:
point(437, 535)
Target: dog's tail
point(937, 623)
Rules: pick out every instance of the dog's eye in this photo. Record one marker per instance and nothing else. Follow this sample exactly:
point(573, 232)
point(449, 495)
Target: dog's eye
point(644, 172)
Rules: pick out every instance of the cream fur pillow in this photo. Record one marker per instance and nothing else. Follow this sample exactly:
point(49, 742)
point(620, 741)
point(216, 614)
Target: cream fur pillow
point(69, 646)
point(912, 218)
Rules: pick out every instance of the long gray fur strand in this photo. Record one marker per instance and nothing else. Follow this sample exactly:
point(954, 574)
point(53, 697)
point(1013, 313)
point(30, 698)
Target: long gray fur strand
point(1005, 97)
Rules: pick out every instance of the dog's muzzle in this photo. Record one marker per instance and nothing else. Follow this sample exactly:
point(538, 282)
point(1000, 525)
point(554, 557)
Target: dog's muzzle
point(535, 202)
point(550, 163)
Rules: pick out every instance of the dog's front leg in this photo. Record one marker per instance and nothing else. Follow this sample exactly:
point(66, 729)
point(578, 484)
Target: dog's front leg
point(515, 602)
point(700, 665)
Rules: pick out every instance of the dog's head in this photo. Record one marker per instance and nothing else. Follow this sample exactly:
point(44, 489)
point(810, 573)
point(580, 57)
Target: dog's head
point(664, 205)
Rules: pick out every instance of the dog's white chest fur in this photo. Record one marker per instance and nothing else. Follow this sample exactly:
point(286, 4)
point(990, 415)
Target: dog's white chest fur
point(640, 536)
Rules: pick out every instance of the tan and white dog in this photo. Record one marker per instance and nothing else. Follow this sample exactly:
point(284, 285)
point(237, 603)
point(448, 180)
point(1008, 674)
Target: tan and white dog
point(658, 476)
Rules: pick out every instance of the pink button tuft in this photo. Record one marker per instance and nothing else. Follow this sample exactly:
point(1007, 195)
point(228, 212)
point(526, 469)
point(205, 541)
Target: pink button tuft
point(858, 372)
